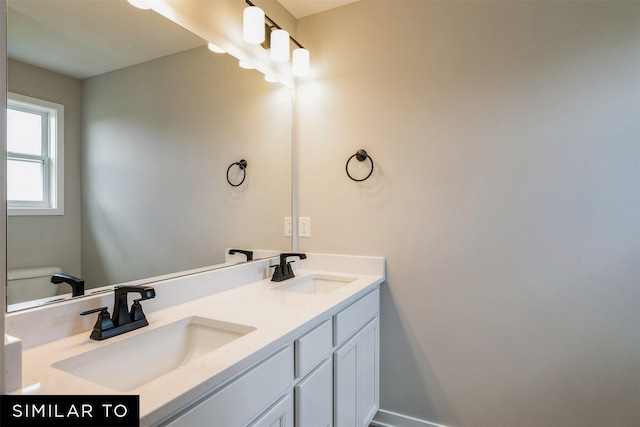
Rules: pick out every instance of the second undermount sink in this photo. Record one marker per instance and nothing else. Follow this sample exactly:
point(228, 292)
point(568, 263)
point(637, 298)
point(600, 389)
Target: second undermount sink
point(136, 360)
point(318, 284)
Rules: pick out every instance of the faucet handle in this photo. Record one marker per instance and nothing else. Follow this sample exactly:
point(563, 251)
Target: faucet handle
point(103, 323)
point(277, 272)
point(136, 310)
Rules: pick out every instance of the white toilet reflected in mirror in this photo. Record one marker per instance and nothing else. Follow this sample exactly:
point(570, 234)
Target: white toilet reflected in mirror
point(26, 284)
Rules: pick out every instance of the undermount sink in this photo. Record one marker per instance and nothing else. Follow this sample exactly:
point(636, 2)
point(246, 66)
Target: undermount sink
point(318, 284)
point(136, 360)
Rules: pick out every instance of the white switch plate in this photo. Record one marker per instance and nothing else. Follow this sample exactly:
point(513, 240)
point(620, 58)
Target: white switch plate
point(288, 226)
point(304, 226)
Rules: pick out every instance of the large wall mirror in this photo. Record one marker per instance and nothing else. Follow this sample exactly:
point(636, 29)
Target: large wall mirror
point(152, 122)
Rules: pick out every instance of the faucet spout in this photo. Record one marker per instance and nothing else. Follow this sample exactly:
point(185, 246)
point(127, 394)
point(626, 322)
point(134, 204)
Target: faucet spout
point(121, 313)
point(248, 254)
point(77, 284)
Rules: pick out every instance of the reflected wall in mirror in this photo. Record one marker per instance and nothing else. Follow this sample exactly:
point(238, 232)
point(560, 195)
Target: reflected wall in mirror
point(152, 121)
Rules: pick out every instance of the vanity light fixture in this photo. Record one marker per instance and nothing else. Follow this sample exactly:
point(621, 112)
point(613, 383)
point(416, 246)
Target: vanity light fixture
point(256, 24)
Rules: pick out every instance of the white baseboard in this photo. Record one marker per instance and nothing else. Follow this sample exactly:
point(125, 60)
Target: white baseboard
point(391, 419)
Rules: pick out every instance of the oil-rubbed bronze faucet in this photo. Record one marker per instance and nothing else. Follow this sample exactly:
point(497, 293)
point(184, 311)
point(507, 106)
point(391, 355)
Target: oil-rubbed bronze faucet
point(77, 285)
point(123, 319)
point(248, 254)
point(284, 270)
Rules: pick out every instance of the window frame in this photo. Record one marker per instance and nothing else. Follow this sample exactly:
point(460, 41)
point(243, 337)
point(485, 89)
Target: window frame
point(52, 159)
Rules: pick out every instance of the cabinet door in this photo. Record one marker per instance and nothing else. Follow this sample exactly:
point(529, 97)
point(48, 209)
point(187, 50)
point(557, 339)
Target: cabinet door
point(369, 371)
point(346, 384)
point(314, 398)
point(279, 415)
point(356, 378)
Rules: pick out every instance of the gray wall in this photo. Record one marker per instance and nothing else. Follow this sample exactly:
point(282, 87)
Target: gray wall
point(50, 240)
point(505, 198)
point(159, 137)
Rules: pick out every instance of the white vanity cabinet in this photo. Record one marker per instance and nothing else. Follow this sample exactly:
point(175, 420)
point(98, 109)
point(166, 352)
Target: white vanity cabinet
point(342, 390)
point(370, 371)
point(314, 397)
point(356, 363)
point(245, 399)
point(314, 392)
point(328, 377)
point(279, 415)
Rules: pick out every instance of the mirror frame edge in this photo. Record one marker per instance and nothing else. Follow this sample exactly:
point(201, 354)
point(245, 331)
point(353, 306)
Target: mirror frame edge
point(3, 189)
point(294, 168)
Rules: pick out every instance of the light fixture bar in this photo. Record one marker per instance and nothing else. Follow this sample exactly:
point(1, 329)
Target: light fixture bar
point(275, 24)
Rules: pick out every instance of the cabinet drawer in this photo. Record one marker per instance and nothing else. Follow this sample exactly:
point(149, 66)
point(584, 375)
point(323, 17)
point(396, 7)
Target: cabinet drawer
point(244, 398)
point(311, 348)
point(351, 319)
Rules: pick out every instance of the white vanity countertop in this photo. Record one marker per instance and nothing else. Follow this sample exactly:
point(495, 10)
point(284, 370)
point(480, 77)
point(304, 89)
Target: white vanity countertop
point(278, 316)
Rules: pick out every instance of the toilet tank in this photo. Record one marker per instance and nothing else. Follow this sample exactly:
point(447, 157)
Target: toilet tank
point(27, 284)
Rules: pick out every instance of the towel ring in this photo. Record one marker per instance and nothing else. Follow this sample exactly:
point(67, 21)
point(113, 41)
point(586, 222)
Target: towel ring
point(242, 164)
point(361, 156)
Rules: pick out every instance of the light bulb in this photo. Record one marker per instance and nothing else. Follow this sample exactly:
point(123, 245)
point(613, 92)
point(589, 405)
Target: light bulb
point(300, 63)
point(253, 25)
point(280, 45)
point(216, 48)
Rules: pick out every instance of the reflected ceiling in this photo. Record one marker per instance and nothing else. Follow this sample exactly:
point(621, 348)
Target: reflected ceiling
point(74, 41)
point(302, 8)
